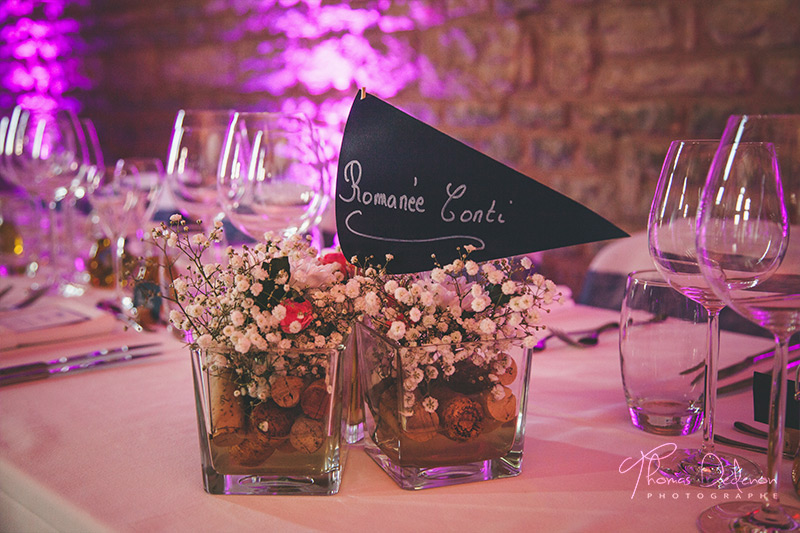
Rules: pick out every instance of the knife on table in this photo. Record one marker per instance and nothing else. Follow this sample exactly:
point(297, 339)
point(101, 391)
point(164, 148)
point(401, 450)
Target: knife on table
point(45, 369)
point(735, 368)
point(747, 382)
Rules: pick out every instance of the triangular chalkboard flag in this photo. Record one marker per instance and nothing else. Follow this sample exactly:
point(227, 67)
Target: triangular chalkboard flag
point(407, 189)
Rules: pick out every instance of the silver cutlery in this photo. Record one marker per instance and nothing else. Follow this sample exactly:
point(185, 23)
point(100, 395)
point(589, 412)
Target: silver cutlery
point(720, 439)
point(122, 316)
point(592, 338)
point(586, 337)
point(744, 364)
point(5, 290)
point(76, 363)
point(790, 434)
point(747, 383)
point(33, 296)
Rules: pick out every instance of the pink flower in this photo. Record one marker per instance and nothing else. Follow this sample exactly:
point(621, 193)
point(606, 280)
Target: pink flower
point(299, 312)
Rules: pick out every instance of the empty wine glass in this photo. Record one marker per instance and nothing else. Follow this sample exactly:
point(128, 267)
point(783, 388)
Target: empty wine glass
point(192, 162)
point(671, 237)
point(125, 200)
point(45, 154)
point(271, 176)
point(748, 243)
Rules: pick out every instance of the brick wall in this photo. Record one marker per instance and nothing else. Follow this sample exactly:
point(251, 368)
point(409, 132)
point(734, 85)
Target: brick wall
point(582, 95)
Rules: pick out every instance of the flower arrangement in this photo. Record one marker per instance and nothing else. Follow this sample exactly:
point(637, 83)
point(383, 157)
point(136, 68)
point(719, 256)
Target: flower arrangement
point(276, 295)
point(444, 389)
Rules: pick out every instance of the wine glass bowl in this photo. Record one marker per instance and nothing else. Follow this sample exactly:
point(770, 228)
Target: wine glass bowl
point(271, 175)
point(747, 250)
point(45, 153)
point(125, 199)
point(192, 161)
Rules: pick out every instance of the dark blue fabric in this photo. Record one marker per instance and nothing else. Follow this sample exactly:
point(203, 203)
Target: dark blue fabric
point(606, 290)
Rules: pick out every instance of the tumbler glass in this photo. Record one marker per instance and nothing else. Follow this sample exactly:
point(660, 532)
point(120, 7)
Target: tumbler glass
point(662, 346)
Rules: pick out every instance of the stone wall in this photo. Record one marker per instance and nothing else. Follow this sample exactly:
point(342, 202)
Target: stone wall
point(582, 95)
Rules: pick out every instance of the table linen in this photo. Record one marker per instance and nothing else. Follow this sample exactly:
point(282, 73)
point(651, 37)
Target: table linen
point(116, 449)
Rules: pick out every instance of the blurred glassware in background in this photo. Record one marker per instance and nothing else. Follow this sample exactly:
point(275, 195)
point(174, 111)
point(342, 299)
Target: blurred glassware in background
point(192, 161)
point(20, 218)
point(45, 154)
point(81, 230)
point(124, 199)
point(271, 174)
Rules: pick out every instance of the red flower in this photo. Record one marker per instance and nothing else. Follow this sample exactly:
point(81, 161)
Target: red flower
point(338, 257)
point(300, 312)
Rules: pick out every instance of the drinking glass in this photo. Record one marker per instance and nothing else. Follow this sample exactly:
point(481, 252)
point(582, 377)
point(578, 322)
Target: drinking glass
point(194, 152)
point(748, 243)
point(78, 230)
point(671, 238)
point(662, 333)
point(271, 176)
point(124, 202)
point(19, 219)
point(45, 154)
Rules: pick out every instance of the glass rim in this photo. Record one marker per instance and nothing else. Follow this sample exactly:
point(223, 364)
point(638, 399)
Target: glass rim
point(657, 278)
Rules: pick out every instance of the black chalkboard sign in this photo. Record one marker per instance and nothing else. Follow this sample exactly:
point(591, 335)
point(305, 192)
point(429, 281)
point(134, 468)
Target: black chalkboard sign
point(407, 189)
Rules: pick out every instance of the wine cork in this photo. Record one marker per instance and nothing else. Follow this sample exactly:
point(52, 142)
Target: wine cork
point(252, 451)
point(286, 390)
point(388, 427)
point(462, 419)
point(501, 409)
point(228, 422)
point(306, 435)
point(469, 378)
point(510, 374)
point(422, 425)
point(271, 420)
point(315, 399)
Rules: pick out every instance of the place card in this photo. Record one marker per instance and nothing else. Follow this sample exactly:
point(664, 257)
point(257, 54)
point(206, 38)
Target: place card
point(406, 189)
point(762, 387)
point(41, 324)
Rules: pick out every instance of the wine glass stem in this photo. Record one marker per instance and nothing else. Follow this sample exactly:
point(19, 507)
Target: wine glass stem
point(777, 417)
point(55, 246)
point(118, 251)
point(710, 396)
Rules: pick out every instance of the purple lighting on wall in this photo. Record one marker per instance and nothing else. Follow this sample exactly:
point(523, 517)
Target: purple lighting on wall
point(38, 44)
point(316, 49)
point(327, 52)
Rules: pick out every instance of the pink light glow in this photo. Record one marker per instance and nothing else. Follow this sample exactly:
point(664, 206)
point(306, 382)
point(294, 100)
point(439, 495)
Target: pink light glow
point(39, 42)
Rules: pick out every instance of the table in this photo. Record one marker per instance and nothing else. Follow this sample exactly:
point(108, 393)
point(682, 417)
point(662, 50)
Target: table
point(117, 450)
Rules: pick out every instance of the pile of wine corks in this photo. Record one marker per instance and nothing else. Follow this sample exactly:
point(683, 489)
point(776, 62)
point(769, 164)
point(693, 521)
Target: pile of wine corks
point(292, 420)
point(469, 403)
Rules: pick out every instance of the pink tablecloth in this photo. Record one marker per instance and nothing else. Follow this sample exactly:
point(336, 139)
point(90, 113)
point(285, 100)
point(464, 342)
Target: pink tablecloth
point(117, 449)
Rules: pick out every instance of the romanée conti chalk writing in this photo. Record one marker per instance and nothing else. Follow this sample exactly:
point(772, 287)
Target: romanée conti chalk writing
point(416, 204)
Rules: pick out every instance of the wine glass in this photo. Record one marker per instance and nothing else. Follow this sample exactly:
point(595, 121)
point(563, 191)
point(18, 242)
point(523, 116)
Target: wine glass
point(748, 243)
point(271, 175)
point(125, 200)
point(192, 161)
point(671, 238)
point(45, 154)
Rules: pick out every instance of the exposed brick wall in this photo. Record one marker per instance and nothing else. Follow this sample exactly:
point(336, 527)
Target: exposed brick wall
point(582, 95)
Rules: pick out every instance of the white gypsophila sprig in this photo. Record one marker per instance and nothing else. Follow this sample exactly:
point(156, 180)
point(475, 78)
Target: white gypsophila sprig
point(278, 294)
point(456, 304)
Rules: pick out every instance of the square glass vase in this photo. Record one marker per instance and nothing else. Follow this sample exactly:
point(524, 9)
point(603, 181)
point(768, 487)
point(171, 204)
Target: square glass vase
point(446, 414)
point(274, 422)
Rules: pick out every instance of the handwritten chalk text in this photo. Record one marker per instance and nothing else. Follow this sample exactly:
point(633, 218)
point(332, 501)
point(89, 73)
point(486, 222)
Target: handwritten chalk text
point(352, 175)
